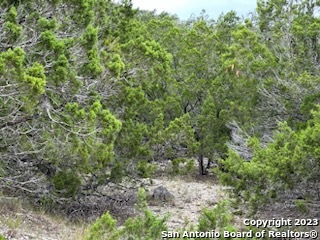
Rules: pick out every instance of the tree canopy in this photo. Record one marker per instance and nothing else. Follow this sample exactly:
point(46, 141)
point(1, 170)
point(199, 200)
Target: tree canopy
point(93, 91)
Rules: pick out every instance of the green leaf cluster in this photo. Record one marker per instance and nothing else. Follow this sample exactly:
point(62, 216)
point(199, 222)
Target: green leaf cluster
point(35, 78)
point(13, 29)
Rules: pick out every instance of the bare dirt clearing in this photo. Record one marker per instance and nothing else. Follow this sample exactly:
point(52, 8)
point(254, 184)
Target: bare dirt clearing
point(190, 197)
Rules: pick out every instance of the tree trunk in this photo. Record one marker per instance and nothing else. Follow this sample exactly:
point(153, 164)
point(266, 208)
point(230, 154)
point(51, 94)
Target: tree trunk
point(200, 160)
point(209, 163)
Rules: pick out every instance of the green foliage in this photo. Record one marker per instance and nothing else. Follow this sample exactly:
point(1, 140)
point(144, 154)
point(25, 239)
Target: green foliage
point(12, 15)
point(147, 225)
point(117, 172)
point(12, 27)
point(83, 11)
point(221, 219)
point(93, 67)
point(182, 166)
point(66, 183)
point(11, 62)
point(111, 125)
point(310, 103)
point(61, 70)
point(180, 131)
point(103, 228)
point(116, 65)
point(146, 169)
point(213, 130)
point(36, 78)
point(50, 42)
point(45, 24)
point(291, 158)
point(13, 30)
point(152, 48)
point(216, 218)
point(90, 37)
point(175, 165)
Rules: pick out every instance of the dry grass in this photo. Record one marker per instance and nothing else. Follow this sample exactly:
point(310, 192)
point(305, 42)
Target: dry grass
point(19, 221)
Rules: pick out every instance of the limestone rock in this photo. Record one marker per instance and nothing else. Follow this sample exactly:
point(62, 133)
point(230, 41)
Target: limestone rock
point(162, 194)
